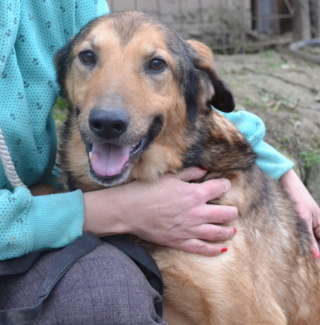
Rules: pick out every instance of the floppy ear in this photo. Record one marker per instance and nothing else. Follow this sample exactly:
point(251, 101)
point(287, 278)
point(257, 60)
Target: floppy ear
point(217, 93)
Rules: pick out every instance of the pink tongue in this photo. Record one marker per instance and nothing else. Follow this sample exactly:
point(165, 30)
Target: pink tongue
point(108, 160)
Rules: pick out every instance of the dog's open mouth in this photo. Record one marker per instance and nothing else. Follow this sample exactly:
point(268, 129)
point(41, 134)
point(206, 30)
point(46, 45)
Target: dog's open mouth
point(110, 160)
point(110, 164)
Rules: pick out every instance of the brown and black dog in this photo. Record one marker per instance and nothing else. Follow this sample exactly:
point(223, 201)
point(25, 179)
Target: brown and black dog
point(140, 106)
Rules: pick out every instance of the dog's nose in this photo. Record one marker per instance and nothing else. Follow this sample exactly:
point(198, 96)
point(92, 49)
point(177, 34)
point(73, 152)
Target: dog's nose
point(108, 123)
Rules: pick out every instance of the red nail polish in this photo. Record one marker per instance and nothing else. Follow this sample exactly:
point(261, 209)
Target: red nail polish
point(234, 230)
point(316, 254)
point(201, 167)
point(224, 249)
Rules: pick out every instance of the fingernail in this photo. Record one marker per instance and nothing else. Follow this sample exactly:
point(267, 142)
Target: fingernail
point(201, 167)
point(316, 254)
point(234, 230)
point(224, 249)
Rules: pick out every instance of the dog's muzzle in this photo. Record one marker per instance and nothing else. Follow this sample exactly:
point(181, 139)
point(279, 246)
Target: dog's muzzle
point(111, 161)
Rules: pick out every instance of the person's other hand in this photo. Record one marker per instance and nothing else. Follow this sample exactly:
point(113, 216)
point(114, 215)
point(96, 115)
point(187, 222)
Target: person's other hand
point(305, 205)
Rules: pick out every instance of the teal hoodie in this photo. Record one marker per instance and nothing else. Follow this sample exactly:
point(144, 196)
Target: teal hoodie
point(30, 34)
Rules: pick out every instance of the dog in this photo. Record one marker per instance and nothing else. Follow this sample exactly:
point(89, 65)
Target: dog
point(140, 105)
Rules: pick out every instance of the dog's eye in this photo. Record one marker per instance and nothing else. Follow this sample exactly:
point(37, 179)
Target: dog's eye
point(87, 57)
point(157, 65)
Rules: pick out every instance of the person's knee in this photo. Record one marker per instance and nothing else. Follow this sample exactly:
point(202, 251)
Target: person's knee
point(104, 285)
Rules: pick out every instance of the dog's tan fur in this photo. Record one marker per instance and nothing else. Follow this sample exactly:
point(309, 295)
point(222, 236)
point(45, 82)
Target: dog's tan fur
point(269, 275)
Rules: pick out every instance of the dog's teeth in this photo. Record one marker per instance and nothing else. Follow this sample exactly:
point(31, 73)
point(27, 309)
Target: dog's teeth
point(90, 155)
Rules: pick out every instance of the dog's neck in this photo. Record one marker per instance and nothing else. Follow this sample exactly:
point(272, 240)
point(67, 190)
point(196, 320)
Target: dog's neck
point(219, 147)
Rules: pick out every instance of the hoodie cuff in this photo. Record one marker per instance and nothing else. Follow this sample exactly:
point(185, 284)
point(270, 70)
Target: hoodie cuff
point(271, 161)
point(55, 220)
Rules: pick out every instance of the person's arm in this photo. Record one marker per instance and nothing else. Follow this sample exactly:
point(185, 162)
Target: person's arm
point(280, 168)
point(170, 212)
point(30, 223)
point(27, 92)
point(268, 158)
point(305, 205)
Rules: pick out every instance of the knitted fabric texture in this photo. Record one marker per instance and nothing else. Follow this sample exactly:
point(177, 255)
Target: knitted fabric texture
point(30, 34)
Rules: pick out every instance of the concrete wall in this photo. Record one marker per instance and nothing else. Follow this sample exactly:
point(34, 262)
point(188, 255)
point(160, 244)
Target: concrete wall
point(216, 22)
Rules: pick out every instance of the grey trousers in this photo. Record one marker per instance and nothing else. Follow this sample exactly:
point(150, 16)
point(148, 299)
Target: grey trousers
point(103, 287)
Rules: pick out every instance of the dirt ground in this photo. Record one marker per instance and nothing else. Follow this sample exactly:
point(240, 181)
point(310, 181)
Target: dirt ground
point(285, 92)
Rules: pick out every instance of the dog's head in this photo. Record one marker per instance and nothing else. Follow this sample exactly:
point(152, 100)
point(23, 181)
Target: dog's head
point(135, 90)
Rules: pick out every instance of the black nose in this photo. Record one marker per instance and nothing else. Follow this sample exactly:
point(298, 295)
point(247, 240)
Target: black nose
point(108, 123)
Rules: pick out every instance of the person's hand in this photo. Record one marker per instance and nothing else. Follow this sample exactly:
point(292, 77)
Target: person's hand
point(170, 212)
point(305, 205)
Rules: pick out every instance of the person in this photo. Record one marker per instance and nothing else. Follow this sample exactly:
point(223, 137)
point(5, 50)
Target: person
point(104, 286)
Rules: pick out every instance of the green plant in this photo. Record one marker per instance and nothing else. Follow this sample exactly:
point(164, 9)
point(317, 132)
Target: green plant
point(268, 54)
point(59, 110)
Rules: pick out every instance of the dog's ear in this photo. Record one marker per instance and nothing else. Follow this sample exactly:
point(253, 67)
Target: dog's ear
point(62, 62)
point(218, 94)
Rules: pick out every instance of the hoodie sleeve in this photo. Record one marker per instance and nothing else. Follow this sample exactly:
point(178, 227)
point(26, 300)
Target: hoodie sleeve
point(30, 33)
point(268, 158)
point(31, 223)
